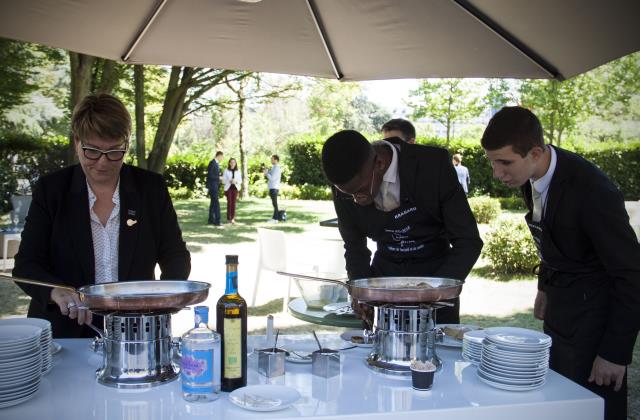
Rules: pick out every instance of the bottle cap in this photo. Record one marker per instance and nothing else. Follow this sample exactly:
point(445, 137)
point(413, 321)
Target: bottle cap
point(202, 314)
point(231, 259)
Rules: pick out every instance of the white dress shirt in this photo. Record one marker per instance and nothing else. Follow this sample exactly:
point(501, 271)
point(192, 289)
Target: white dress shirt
point(388, 198)
point(541, 185)
point(105, 239)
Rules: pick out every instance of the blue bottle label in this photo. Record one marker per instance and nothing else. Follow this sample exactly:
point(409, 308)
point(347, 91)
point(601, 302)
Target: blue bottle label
point(197, 371)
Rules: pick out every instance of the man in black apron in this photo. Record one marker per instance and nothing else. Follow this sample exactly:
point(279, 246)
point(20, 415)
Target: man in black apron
point(406, 198)
point(589, 277)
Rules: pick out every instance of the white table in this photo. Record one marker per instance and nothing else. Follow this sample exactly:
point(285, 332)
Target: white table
point(71, 392)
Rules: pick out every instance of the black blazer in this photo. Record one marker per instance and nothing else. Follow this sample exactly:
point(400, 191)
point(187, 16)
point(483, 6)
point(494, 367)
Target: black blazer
point(427, 178)
point(57, 243)
point(594, 247)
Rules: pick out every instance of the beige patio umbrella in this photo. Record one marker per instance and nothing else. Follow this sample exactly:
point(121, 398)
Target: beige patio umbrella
point(343, 39)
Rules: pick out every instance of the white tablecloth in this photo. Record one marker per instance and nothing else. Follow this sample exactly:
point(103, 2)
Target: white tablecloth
point(70, 392)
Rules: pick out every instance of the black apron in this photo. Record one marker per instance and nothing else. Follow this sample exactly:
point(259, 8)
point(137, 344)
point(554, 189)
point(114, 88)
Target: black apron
point(575, 316)
point(407, 245)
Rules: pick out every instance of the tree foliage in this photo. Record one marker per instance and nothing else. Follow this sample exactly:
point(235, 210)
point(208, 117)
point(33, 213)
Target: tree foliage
point(337, 106)
point(446, 101)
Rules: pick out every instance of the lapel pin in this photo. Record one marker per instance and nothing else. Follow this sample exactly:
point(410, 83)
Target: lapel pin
point(131, 222)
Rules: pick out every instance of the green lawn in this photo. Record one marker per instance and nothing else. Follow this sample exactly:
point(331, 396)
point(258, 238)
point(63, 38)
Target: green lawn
point(250, 214)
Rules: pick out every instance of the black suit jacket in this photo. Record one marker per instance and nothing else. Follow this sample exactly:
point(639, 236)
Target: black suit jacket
point(595, 247)
point(57, 243)
point(428, 178)
point(213, 176)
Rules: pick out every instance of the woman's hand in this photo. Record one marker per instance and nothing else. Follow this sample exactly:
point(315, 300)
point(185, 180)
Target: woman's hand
point(68, 302)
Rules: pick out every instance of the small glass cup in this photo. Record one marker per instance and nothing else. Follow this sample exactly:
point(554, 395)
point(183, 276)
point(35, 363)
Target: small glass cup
point(422, 374)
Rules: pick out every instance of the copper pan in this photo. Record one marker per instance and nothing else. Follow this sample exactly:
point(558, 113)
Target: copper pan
point(396, 289)
point(134, 296)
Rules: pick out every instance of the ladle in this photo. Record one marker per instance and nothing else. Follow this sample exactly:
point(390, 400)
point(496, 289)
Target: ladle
point(317, 341)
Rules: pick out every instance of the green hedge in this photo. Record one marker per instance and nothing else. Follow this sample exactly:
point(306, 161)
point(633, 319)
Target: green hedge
point(305, 160)
point(27, 157)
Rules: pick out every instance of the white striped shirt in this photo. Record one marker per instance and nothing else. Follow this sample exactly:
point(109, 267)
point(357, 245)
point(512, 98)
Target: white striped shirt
point(105, 239)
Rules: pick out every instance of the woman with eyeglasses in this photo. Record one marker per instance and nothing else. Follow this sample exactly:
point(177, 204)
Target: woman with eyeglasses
point(96, 222)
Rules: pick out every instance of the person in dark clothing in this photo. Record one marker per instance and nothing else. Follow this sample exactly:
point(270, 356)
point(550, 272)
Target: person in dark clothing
point(407, 198)
point(96, 222)
point(213, 185)
point(273, 183)
point(589, 275)
point(399, 127)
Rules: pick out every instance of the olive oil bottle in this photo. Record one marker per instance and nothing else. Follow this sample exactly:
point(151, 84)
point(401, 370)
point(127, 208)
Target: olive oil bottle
point(231, 323)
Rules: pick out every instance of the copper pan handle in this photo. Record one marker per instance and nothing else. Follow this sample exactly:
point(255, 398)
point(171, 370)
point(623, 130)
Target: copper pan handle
point(37, 282)
point(303, 276)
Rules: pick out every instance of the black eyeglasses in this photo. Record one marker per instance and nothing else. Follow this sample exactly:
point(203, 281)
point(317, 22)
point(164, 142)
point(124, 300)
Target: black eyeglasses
point(113, 155)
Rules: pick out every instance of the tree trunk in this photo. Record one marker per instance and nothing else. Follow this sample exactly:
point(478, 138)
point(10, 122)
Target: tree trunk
point(110, 73)
point(141, 154)
point(81, 76)
point(172, 112)
point(243, 160)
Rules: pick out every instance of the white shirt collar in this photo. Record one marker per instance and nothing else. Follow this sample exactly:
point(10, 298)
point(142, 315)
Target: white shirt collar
point(542, 184)
point(388, 198)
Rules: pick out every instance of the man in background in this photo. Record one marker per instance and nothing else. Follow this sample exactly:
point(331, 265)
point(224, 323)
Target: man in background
point(462, 171)
point(399, 127)
point(213, 185)
point(273, 183)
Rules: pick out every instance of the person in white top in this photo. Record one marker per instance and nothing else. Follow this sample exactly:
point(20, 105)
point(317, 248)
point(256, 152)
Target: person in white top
point(273, 177)
point(462, 171)
point(232, 179)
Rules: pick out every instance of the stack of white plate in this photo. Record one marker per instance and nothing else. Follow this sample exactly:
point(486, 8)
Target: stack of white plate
point(20, 363)
point(514, 359)
point(45, 337)
point(472, 346)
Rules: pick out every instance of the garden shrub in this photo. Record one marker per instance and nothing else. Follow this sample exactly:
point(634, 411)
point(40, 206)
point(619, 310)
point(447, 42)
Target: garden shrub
point(26, 157)
point(485, 209)
point(182, 193)
point(512, 203)
point(509, 247)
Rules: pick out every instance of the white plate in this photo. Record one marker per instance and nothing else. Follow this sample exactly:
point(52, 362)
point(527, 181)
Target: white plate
point(264, 397)
point(55, 347)
point(448, 341)
point(18, 335)
point(520, 337)
point(347, 335)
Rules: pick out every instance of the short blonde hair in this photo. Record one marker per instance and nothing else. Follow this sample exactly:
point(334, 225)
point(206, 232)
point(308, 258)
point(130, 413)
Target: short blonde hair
point(457, 157)
point(103, 116)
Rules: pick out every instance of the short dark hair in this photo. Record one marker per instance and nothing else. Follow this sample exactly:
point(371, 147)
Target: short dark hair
point(219, 153)
point(516, 127)
point(276, 157)
point(101, 115)
point(404, 126)
point(343, 156)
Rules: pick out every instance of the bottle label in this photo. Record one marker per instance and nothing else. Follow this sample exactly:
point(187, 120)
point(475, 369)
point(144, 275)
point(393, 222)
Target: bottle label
point(199, 372)
point(232, 282)
point(232, 348)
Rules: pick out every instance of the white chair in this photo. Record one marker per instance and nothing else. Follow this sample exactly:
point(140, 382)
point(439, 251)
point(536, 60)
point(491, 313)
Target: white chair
point(273, 257)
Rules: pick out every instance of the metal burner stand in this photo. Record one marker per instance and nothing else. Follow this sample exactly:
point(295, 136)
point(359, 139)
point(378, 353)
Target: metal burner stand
point(404, 333)
point(137, 351)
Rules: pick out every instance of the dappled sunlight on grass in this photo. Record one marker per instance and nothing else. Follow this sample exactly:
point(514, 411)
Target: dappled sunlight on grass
point(250, 214)
point(13, 301)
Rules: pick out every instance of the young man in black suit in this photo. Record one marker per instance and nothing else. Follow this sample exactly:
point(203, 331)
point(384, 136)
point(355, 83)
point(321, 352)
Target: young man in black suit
point(589, 278)
point(406, 198)
point(96, 222)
